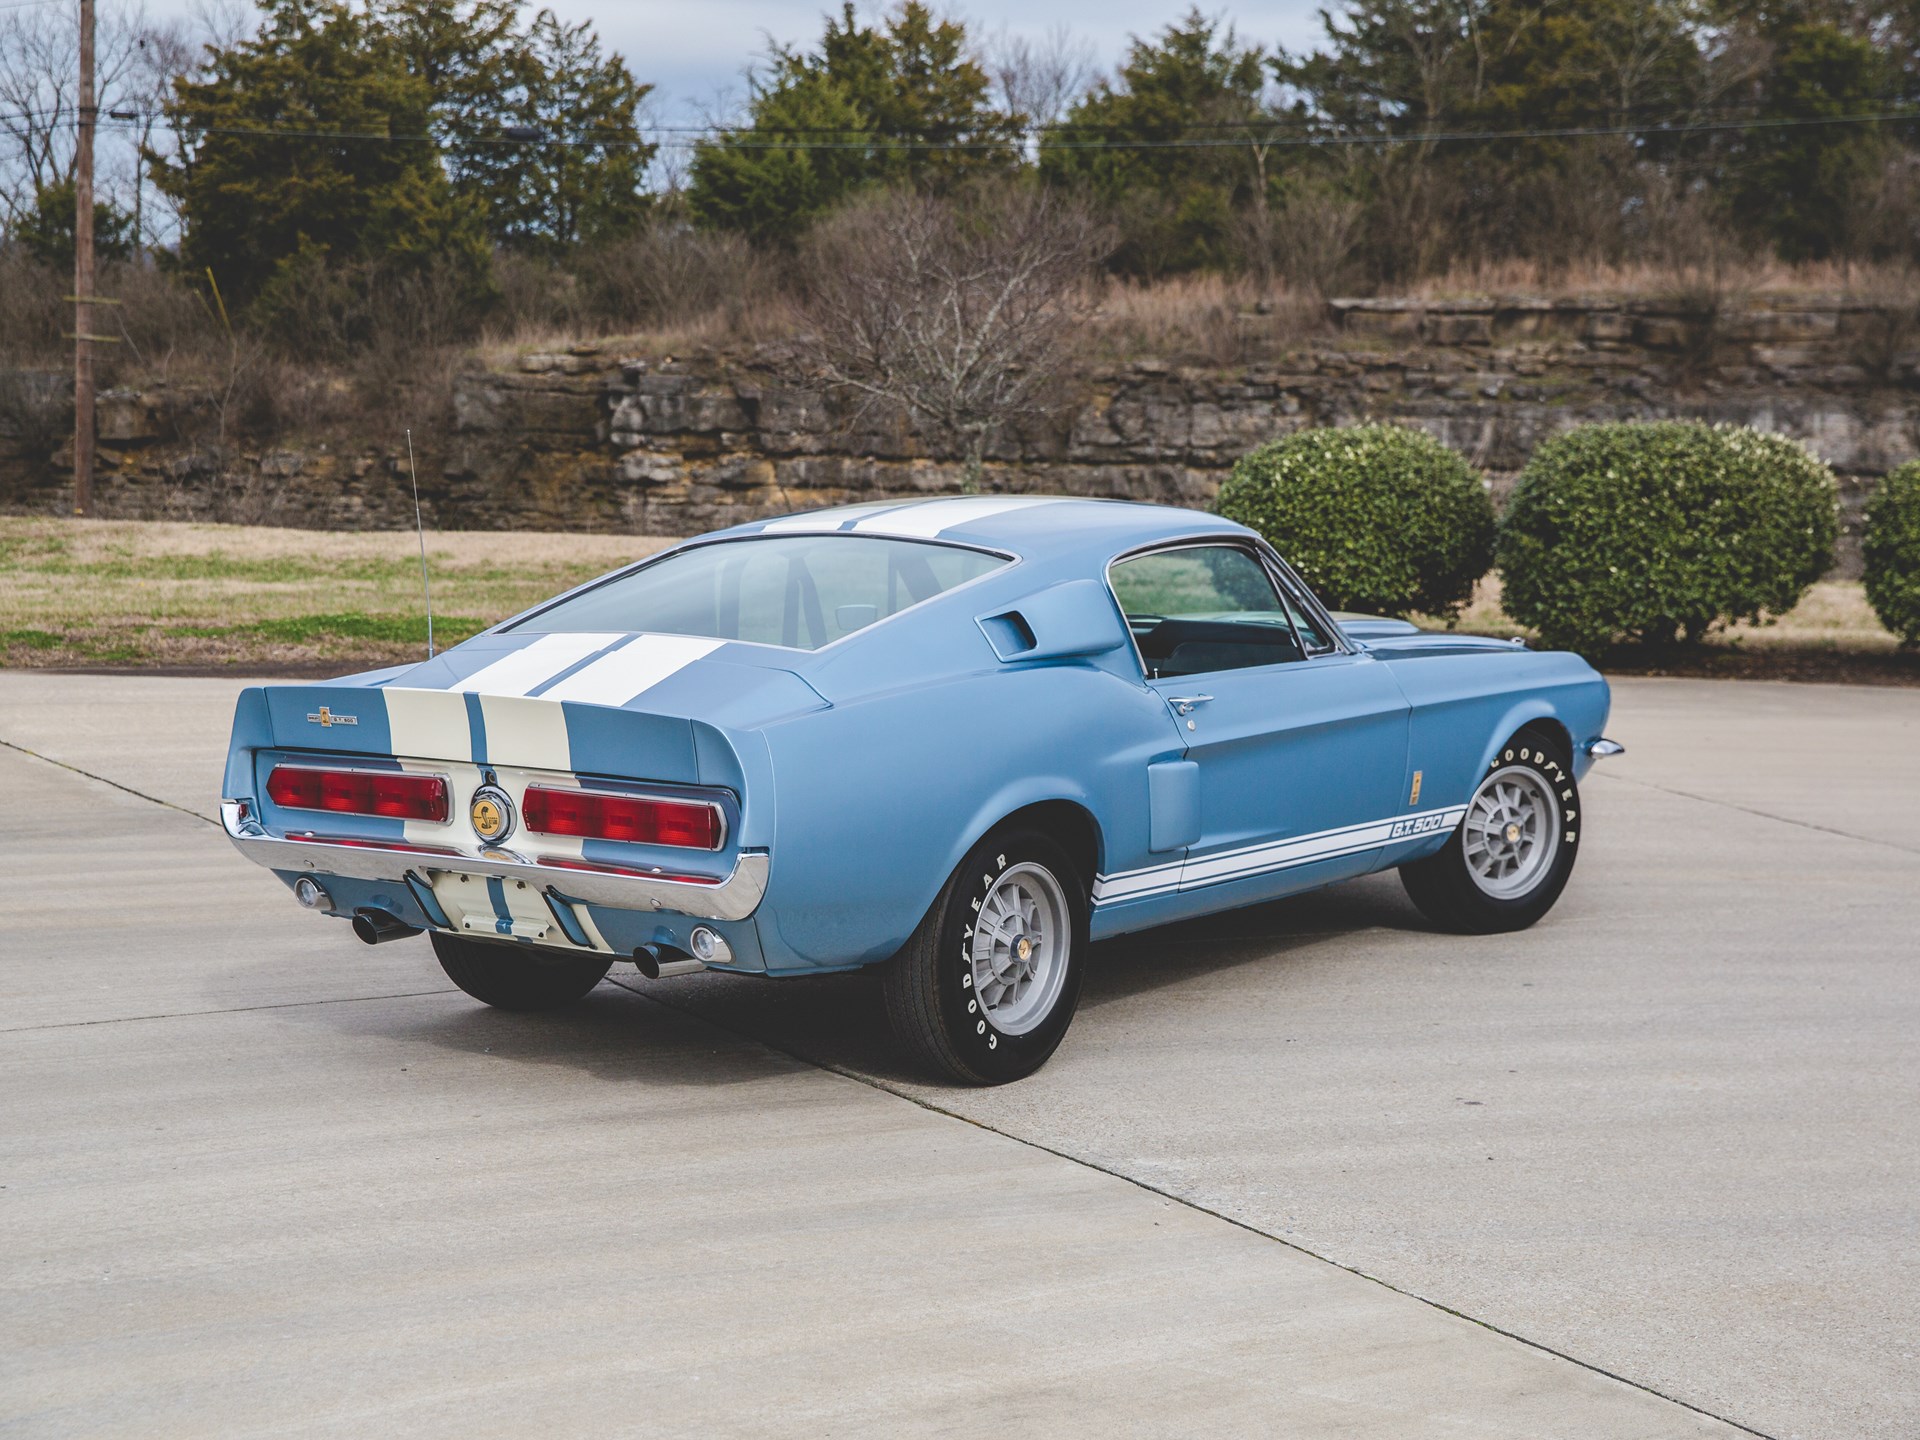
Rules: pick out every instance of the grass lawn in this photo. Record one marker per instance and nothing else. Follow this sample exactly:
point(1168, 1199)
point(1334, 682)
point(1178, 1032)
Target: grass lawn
point(154, 594)
point(162, 595)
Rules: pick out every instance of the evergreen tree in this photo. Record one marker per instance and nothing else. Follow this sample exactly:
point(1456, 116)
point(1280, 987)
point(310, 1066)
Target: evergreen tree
point(1172, 144)
point(47, 230)
point(905, 102)
point(310, 140)
point(585, 183)
point(1795, 185)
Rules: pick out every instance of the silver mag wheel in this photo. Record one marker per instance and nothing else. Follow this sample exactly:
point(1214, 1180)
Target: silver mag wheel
point(985, 988)
point(1505, 864)
point(1020, 950)
point(1511, 835)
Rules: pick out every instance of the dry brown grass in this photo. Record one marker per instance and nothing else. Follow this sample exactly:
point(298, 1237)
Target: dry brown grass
point(1833, 616)
point(1651, 280)
point(1201, 319)
point(150, 593)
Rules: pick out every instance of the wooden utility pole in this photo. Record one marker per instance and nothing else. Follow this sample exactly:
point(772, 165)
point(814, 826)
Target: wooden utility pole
point(83, 275)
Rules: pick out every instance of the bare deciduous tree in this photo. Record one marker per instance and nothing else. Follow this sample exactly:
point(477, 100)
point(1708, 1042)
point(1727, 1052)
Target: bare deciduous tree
point(39, 64)
point(1040, 79)
point(1310, 236)
point(960, 311)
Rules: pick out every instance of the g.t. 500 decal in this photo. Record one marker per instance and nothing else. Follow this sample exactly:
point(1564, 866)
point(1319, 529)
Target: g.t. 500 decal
point(1418, 825)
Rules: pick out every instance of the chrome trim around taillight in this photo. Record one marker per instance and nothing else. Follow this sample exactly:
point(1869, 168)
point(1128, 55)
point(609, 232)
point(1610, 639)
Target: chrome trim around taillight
point(650, 797)
point(446, 788)
point(735, 897)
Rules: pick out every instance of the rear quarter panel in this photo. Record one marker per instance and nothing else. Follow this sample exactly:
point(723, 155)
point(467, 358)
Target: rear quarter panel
point(880, 798)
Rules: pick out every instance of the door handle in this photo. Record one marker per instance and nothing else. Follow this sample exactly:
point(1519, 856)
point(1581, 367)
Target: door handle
point(1183, 704)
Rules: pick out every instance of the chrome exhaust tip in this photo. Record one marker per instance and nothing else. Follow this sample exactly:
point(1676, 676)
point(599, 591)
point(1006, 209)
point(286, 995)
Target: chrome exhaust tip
point(659, 962)
point(376, 927)
point(310, 894)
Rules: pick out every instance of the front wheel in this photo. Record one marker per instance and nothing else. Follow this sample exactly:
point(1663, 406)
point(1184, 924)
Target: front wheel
point(516, 977)
point(984, 990)
point(1511, 856)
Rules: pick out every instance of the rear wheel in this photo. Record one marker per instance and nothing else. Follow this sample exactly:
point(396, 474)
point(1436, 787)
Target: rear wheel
point(984, 990)
point(1510, 859)
point(517, 977)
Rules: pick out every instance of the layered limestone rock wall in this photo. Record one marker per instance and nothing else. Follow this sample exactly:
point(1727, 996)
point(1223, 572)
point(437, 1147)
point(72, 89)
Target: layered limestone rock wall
point(596, 439)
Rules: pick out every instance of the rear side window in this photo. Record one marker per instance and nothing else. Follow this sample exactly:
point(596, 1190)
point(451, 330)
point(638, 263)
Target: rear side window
point(1203, 608)
point(800, 591)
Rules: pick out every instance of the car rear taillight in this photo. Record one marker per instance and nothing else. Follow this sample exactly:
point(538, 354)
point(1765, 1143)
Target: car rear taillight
point(601, 815)
point(359, 792)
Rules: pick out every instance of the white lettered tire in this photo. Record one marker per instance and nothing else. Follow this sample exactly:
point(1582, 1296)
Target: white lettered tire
point(1509, 859)
point(986, 987)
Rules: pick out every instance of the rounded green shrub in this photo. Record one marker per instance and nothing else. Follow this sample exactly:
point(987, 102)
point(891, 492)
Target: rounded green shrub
point(1377, 518)
point(1657, 532)
point(1891, 544)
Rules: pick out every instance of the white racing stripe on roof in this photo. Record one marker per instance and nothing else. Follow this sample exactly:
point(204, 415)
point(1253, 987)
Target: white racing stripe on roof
point(823, 520)
point(935, 517)
point(534, 664)
point(632, 670)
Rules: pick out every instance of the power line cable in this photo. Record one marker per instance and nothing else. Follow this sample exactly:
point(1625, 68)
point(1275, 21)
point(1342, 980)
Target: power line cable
point(742, 140)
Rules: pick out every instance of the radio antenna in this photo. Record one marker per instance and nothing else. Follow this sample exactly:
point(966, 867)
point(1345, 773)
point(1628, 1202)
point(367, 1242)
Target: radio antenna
point(420, 529)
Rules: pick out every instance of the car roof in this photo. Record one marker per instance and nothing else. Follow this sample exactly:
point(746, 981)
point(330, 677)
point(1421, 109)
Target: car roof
point(1030, 526)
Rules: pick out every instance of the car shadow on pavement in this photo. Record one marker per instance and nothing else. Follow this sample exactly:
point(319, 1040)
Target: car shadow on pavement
point(1302, 929)
point(688, 1030)
point(612, 1034)
point(839, 1021)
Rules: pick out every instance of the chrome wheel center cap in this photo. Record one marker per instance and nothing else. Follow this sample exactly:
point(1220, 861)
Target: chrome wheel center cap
point(1023, 949)
point(1513, 834)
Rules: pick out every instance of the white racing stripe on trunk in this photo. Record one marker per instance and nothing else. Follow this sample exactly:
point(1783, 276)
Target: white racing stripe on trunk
point(632, 670)
point(936, 517)
point(540, 661)
point(530, 733)
point(430, 723)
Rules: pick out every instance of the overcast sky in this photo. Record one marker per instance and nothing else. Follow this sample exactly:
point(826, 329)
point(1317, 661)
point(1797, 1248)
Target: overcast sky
point(696, 50)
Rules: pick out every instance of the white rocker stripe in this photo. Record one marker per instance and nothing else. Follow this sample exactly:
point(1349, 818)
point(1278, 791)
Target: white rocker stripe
point(1276, 855)
point(534, 664)
point(635, 668)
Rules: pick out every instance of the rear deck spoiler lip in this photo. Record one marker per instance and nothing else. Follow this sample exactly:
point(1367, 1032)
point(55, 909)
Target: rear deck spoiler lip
point(734, 898)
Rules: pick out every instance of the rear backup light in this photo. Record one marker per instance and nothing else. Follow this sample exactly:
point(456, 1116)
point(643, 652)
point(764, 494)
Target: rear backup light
point(359, 792)
point(599, 815)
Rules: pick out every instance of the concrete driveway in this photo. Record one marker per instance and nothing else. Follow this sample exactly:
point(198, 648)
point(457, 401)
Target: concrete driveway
point(1307, 1170)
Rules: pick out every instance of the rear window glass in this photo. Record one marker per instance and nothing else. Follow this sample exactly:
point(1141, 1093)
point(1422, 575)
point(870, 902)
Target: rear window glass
point(801, 591)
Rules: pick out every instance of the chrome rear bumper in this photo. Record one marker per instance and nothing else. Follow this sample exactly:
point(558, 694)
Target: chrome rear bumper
point(734, 898)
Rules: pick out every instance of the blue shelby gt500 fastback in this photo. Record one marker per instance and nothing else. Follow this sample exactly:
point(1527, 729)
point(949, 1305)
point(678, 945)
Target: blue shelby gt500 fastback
point(965, 737)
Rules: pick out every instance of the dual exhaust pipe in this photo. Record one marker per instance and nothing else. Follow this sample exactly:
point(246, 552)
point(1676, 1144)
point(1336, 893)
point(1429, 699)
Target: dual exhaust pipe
point(708, 947)
point(656, 962)
point(376, 927)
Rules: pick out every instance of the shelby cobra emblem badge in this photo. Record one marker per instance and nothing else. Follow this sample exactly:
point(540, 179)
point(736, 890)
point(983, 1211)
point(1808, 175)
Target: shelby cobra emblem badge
point(324, 718)
point(491, 813)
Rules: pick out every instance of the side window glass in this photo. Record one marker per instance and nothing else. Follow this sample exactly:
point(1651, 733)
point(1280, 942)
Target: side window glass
point(1312, 634)
point(1203, 608)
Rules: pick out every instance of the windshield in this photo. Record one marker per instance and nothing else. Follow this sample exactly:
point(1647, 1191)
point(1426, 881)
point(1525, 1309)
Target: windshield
point(801, 591)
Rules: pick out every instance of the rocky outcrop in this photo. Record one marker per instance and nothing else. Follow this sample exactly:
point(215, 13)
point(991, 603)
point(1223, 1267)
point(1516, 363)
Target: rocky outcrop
point(590, 438)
